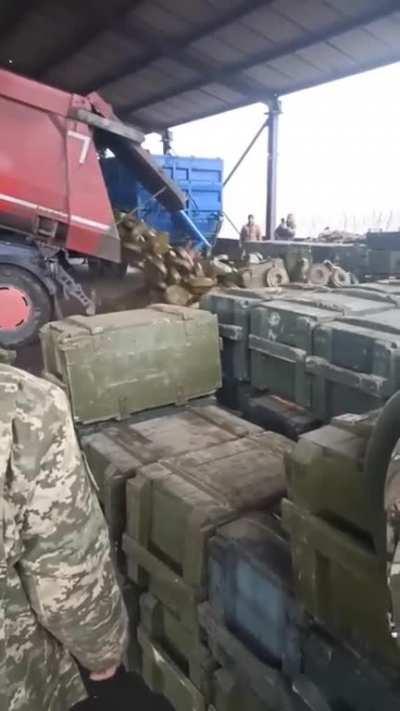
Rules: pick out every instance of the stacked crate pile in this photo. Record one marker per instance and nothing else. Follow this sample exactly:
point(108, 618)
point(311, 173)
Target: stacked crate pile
point(309, 355)
point(170, 467)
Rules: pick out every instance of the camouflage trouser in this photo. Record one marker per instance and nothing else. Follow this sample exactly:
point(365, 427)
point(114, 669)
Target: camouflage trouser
point(394, 587)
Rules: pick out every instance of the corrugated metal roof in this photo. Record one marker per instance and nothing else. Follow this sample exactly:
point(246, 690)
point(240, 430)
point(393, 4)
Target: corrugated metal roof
point(164, 62)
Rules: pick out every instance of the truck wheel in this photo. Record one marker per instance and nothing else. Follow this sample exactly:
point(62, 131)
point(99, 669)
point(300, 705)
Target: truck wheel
point(25, 306)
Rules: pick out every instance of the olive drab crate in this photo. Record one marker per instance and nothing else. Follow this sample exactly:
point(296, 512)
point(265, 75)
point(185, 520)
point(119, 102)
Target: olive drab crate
point(282, 337)
point(116, 451)
point(174, 506)
point(115, 364)
point(355, 366)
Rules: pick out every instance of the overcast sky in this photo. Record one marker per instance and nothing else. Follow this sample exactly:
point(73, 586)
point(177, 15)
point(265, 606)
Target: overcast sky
point(339, 154)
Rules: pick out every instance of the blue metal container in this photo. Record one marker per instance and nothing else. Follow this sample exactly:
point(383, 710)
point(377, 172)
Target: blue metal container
point(199, 178)
point(250, 587)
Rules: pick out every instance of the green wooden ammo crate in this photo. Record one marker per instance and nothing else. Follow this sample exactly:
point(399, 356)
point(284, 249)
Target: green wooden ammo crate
point(355, 366)
point(233, 313)
point(231, 694)
point(131, 594)
point(341, 582)
point(116, 364)
point(261, 685)
point(175, 505)
point(115, 451)
point(325, 471)
point(164, 677)
point(184, 646)
point(282, 337)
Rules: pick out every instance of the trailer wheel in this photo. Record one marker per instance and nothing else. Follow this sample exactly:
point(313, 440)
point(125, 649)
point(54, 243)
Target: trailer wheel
point(25, 306)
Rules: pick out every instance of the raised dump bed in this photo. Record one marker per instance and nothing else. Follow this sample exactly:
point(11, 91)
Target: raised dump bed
point(119, 363)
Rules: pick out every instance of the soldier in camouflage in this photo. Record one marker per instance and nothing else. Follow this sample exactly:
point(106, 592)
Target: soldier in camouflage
point(59, 601)
point(392, 507)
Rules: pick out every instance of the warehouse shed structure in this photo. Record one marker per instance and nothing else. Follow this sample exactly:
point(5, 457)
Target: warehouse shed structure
point(165, 62)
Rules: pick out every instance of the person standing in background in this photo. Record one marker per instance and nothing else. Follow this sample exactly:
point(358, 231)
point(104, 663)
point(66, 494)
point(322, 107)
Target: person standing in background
point(250, 232)
point(286, 230)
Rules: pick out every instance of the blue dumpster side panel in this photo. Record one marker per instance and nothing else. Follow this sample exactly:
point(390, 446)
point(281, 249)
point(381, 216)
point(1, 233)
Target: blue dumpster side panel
point(199, 178)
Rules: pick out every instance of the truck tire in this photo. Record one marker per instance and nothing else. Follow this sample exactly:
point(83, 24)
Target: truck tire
point(25, 306)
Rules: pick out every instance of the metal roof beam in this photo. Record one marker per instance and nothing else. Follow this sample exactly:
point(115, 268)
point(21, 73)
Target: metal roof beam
point(225, 74)
point(175, 47)
point(168, 49)
point(97, 18)
point(154, 127)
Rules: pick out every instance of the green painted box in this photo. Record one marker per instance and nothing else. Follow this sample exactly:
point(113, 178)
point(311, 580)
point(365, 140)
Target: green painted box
point(282, 337)
point(355, 366)
point(341, 583)
point(116, 364)
point(185, 646)
point(164, 677)
point(325, 471)
point(175, 505)
point(116, 451)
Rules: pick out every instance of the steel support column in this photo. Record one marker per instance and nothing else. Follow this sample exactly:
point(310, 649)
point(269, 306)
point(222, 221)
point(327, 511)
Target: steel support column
point(275, 109)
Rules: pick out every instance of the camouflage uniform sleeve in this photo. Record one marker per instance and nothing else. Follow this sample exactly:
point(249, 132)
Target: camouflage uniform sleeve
point(66, 565)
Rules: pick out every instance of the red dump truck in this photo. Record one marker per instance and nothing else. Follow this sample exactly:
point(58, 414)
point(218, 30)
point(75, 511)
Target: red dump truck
point(53, 197)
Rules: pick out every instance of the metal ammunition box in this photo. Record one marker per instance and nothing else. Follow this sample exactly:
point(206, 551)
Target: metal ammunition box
point(341, 583)
point(119, 363)
point(250, 587)
point(174, 506)
point(116, 451)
